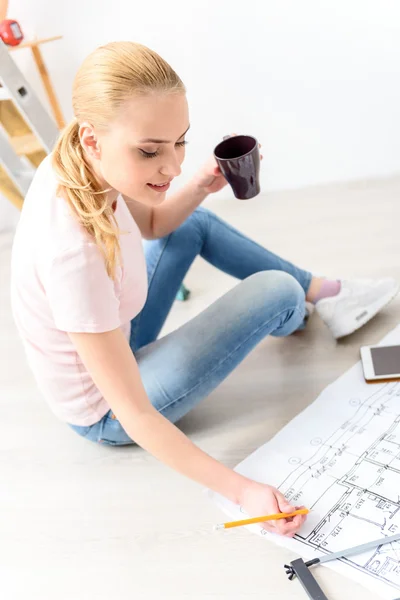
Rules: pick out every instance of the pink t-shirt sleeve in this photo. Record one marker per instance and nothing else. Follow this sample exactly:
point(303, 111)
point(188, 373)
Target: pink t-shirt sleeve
point(81, 295)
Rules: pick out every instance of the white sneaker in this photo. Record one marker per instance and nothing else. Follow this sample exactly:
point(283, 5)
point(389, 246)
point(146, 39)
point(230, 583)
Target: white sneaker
point(357, 302)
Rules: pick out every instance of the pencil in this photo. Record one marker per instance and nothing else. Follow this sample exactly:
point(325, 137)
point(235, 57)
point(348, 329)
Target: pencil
point(301, 511)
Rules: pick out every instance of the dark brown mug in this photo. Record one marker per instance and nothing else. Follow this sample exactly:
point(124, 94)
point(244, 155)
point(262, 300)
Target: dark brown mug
point(238, 157)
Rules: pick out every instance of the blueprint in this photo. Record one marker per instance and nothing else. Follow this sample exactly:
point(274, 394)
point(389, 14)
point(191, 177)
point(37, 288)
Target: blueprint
point(340, 458)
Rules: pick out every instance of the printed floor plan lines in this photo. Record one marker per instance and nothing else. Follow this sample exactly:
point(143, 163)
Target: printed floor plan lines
point(340, 458)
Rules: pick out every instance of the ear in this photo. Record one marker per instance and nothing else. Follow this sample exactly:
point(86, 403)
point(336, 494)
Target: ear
point(89, 140)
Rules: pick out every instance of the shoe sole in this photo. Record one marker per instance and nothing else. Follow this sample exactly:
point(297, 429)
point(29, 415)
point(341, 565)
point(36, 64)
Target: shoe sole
point(370, 314)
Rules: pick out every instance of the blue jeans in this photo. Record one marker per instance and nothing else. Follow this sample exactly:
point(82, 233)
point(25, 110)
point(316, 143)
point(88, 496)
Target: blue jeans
point(183, 367)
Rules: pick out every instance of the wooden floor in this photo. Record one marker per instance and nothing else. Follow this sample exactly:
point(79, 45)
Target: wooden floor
point(84, 522)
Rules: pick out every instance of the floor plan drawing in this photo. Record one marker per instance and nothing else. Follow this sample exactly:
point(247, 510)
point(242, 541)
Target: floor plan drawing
point(353, 482)
point(341, 459)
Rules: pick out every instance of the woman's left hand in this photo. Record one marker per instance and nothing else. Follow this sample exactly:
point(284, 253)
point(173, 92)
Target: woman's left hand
point(210, 178)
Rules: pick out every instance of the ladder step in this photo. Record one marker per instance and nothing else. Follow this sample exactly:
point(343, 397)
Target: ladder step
point(34, 114)
point(26, 144)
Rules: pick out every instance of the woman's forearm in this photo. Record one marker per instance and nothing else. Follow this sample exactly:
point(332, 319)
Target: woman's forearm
point(114, 369)
point(169, 215)
point(168, 444)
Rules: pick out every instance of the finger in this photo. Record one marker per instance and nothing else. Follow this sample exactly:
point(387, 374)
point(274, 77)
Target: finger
point(301, 518)
point(261, 157)
point(294, 525)
point(298, 521)
point(283, 525)
point(273, 508)
point(287, 527)
point(284, 505)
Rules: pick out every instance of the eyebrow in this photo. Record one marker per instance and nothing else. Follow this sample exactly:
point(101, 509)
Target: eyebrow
point(154, 141)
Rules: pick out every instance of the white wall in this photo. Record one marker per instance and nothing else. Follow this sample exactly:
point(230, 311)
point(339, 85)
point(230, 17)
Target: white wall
point(317, 82)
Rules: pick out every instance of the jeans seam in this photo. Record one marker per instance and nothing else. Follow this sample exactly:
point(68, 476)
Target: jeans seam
point(183, 396)
point(149, 283)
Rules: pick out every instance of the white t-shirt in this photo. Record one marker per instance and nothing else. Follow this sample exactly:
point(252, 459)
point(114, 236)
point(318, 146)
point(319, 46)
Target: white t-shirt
point(59, 284)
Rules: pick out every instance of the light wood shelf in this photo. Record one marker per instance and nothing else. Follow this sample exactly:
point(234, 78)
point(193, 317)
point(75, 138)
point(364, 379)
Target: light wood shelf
point(35, 42)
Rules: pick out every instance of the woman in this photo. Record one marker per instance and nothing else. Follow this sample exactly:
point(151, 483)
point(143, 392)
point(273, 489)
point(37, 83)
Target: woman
point(89, 305)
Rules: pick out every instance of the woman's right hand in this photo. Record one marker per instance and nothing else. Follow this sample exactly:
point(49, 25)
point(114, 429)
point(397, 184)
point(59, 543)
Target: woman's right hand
point(259, 499)
point(113, 368)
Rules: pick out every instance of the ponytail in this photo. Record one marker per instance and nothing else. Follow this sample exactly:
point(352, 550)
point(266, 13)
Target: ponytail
point(84, 194)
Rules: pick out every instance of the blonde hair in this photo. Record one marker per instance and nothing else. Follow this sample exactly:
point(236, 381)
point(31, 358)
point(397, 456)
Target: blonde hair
point(107, 78)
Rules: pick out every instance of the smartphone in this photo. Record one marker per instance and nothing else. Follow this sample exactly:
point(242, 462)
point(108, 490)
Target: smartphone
point(380, 363)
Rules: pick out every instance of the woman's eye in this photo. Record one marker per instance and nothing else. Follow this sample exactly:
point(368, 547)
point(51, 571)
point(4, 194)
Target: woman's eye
point(156, 153)
point(148, 154)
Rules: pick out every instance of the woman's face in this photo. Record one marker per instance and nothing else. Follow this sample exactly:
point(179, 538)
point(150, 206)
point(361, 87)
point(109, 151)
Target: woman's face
point(143, 149)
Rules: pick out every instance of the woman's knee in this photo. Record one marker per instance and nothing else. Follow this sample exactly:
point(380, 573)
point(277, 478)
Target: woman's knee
point(281, 298)
point(280, 286)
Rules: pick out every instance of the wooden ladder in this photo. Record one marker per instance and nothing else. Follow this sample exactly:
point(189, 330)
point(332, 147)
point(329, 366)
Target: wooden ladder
point(27, 132)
